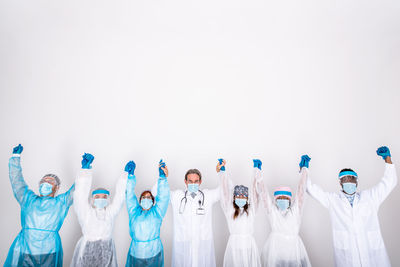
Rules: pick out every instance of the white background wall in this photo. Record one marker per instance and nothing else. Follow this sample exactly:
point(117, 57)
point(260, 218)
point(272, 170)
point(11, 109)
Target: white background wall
point(190, 81)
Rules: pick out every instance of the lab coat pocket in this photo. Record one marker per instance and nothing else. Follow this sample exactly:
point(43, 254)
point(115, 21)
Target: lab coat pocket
point(341, 239)
point(375, 240)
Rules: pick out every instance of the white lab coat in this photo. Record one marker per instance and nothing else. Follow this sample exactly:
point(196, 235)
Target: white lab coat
point(284, 246)
point(193, 242)
point(96, 224)
point(357, 238)
point(241, 250)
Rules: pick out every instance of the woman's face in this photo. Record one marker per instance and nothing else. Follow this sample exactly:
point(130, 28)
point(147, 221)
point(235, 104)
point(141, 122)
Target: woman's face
point(240, 201)
point(283, 197)
point(282, 202)
point(147, 195)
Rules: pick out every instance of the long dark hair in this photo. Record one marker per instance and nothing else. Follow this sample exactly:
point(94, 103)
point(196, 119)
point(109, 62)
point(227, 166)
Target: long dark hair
point(237, 209)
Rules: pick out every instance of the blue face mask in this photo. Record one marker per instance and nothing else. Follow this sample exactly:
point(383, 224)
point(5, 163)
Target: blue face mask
point(241, 202)
point(283, 204)
point(193, 188)
point(45, 189)
point(146, 203)
point(349, 188)
point(100, 203)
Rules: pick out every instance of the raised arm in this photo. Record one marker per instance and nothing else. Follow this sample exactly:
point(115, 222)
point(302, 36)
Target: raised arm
point(317, 193)
point(380, 191)
point(119, 196)
point(301, 189)
point(163, 191)
point(256, 196)
point(19, 187)
point(225, 187)
point(163, 195)
point(131, 199)
point(83, 183)
point(260, 189)
point(299, 198)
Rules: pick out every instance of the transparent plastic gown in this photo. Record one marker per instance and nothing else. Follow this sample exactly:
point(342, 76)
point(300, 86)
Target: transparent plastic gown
point(284, 247)
point(96, 246)
point(241, 250)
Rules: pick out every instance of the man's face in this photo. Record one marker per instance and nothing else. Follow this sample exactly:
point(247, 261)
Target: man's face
point(53, 182)
point(348, 179)
point(193, 179)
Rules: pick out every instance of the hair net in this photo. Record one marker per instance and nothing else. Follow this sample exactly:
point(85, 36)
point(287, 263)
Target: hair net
point(55, 177)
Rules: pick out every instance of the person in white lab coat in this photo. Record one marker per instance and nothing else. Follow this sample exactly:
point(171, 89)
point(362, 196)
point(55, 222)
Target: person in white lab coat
point(284, 247)
point(96, 246)
point(357, 238)
point(193, 242)
point(240, 208)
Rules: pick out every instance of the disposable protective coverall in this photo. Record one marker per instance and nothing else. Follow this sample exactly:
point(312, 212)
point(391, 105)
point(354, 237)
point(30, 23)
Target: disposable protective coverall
point(38, 243)
point(146, 248)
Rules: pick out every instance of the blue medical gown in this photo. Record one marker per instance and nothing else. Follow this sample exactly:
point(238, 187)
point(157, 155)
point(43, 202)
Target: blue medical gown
point(144, 226)
point(38, 243)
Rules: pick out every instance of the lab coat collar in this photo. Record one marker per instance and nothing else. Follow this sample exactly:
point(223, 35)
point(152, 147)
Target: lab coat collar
point(191, 195)
point(344, 198)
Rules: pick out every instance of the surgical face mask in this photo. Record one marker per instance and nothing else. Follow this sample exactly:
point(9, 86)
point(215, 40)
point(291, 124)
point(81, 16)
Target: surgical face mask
point(193, 188)
point(283, 204)
point(146, 203)
point(45, 189)
point(349, 188)
point(100, 203)
point(241, 202)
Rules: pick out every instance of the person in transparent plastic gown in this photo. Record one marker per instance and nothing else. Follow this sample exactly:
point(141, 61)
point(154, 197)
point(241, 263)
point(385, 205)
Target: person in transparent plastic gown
point(96, 246)
point(241, 249)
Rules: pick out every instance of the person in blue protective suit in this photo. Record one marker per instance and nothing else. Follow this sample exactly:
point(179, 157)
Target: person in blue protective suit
point(38, 243)
point(96, 217)
point(145, 219)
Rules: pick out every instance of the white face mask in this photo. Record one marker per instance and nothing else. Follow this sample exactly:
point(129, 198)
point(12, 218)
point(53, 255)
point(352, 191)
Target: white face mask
point(45, 189)
point(240, 202)
point(349, 188)
point(193, 188)
point(100, 203)
point(283, 204)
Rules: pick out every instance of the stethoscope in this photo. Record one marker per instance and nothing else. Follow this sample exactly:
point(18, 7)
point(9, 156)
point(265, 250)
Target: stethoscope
point(200, 209)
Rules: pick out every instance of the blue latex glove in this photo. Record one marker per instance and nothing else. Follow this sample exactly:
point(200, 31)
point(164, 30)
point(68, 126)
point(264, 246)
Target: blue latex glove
point(162, 164)
point(18, 149)
point(130, 167)
point(257, 163)
point(87, 160)
point(220, 162)
point(383, 151)
point(304, 162)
